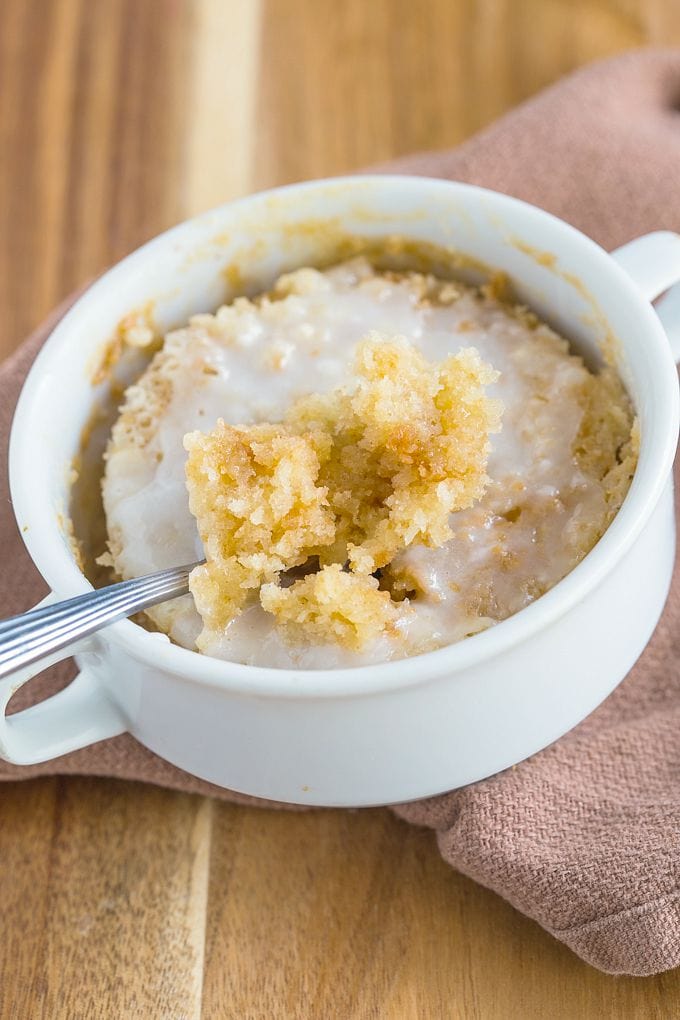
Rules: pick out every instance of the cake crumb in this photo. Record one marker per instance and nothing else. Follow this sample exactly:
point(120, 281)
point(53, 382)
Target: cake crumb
point(409, 447)
point(105, 559)
point(254, 495)
point(332, 605)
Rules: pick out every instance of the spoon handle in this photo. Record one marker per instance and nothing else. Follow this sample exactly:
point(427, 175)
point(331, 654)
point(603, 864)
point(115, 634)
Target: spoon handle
point(31, 636)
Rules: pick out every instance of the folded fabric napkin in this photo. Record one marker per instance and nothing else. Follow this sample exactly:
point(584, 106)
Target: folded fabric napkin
point(585, 836)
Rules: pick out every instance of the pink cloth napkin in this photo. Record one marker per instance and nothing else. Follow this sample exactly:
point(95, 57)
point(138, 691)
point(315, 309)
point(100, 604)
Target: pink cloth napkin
point(585, 836)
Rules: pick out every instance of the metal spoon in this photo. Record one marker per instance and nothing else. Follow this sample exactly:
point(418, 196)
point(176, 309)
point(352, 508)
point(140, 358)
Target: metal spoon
point(31, 636)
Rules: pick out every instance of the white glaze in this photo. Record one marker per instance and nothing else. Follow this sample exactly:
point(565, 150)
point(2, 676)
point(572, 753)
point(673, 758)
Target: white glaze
point(261, 357)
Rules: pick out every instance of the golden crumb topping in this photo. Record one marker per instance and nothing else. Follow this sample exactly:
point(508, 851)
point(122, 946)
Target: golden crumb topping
point(348, 478)
point(605, 445)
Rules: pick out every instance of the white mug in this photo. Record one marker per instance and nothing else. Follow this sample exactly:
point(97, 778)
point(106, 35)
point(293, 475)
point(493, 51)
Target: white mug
point(400, 730)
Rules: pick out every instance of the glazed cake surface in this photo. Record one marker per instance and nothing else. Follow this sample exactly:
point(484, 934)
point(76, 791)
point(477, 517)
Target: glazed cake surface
point(547, 446)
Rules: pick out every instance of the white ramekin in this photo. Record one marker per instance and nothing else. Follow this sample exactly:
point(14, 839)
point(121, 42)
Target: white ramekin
point(396, 731)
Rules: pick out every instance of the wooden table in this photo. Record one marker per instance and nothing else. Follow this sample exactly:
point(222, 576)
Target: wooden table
point(118, 118)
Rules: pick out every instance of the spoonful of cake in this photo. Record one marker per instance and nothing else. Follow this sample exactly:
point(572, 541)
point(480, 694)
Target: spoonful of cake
point(345, 482)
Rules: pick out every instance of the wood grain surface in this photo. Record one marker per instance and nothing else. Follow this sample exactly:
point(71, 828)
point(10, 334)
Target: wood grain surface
point(118, 118)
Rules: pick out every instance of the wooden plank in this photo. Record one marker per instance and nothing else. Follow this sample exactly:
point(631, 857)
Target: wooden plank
point(104, 885)
point(354, 915)
point(92, 125)
point(221, 126)
point(344, 85)
point(27, 812)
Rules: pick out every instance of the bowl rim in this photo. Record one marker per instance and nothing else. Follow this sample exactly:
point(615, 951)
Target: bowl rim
point(61, 572)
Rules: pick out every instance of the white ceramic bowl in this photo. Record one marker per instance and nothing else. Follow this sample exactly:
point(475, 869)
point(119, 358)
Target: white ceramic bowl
point(401, 730)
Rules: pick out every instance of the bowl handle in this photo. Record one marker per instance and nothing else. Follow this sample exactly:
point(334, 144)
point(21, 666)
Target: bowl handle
point(77, 716)
point(653, 263)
